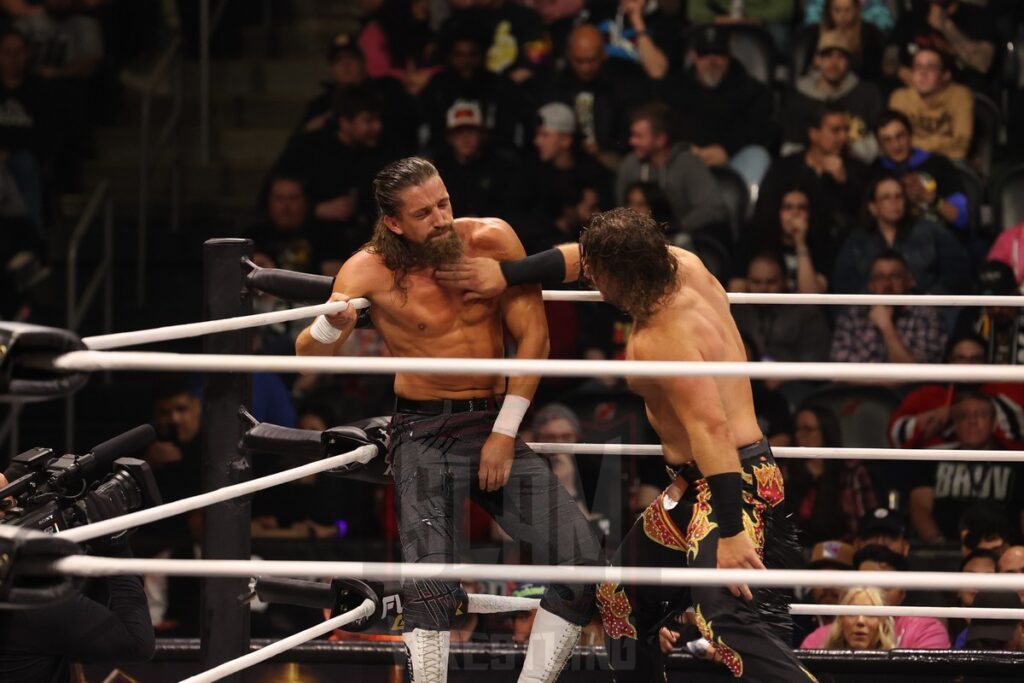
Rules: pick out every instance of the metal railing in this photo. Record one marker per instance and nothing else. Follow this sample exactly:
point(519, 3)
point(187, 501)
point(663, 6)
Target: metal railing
point(208, 23)
point(149, 151)
point(100, 206)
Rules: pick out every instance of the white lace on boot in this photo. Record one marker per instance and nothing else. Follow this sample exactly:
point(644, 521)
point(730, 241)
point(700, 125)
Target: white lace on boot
point(552, 640)
point(427, 653)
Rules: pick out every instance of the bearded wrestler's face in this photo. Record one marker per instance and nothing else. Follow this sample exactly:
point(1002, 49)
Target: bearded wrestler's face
point(424, 220)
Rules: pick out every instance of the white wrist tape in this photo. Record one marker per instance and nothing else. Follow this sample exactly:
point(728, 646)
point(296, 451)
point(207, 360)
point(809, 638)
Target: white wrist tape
point(323, 332)
point(513, 408)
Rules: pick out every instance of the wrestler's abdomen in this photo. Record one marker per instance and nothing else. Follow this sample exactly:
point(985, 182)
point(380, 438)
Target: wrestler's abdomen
point(675, 442)
point(436, 323)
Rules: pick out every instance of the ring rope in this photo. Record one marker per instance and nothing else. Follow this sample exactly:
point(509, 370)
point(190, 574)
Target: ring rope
point(366, 610)
point(171, 332)
point(907, 611)
point(167, 333)
point(87, 532)
point(85, 565)
point(232, 666)
point(797, 452)
point(200, 362)
point(826, 299)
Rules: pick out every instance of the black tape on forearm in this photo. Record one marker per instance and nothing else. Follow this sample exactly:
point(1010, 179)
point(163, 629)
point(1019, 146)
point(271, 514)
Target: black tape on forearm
point(545, 268)
point(727, 502)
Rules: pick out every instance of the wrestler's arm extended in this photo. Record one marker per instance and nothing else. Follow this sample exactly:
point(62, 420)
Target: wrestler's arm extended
point(485, 278)
point(328, 333)
point(522, 312)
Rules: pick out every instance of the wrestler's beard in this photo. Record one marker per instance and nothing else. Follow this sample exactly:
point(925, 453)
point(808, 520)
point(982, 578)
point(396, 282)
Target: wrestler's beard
point(438, 251)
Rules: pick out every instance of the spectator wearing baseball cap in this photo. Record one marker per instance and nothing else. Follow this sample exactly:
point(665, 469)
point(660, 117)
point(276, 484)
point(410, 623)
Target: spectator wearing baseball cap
point(834, 554)
point(601, 92)
point(833, 81)
point(995, 634)
point(562, 168)
point(722, 107)
point(883, 527)
point(775, 15)
point(481, 180)
point(1001, 327)
point(925, 633)
point(506, 111)
point(348, 71)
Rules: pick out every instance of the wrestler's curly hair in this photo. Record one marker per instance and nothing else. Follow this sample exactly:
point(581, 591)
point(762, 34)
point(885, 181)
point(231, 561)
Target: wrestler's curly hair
point(628, 252)
point(387, 185)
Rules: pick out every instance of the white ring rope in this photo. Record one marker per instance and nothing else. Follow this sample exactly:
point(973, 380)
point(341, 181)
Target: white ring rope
point(264, 653)
point(826, 299)
point(209, 362)
point(797, 452)
point(503, 603)
point(907, 611)
point(85, 565)
point(171, 332)
point(160, 334)
point(363, 454)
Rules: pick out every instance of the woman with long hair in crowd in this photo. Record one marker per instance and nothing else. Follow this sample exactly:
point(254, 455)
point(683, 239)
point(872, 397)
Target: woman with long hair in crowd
point(798, 234)
point(938, 263)
point(826, 497)
point(862, 632)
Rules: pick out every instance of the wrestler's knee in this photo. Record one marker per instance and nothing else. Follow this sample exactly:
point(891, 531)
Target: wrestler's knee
point(574, 603)
point(432, 605)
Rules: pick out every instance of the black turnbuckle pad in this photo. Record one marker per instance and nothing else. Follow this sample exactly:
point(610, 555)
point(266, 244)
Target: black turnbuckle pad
point(26, 352)
point(21, 546)
point(338, 596)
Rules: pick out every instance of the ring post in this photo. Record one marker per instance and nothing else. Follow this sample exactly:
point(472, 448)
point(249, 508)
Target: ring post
point(224, 625)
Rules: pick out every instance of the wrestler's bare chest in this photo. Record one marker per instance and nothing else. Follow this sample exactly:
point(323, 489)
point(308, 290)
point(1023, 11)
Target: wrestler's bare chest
point(428, 313)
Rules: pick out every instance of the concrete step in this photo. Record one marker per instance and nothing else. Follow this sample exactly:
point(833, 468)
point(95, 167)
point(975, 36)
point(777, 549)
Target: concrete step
point(326, 9)
point(237, 186)
point(226, 111)
point(246, 146)
point(306, 38)
point(228, 77)
point(287, 78)
point(293, 77)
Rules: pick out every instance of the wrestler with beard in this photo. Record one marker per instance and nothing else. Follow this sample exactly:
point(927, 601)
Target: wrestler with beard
point(448, 441)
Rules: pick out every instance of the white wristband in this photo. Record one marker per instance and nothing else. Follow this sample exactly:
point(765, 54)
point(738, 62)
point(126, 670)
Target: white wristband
point(511, 414)
point(323, 331)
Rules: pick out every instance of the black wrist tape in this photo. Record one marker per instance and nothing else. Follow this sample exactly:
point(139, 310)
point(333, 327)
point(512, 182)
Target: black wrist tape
point(545, 268)
point(727, 502)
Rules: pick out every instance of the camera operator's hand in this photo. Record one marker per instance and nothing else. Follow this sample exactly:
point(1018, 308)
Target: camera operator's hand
point(162, 453)
point(98, 508)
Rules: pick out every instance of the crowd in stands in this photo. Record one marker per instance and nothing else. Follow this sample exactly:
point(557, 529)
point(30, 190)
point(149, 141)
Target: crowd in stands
point(797, 147)
point(854, 174)
point(58, 59)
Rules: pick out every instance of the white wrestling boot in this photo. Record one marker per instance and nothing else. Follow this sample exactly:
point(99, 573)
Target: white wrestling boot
point(552, 640)
point(427, 655)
